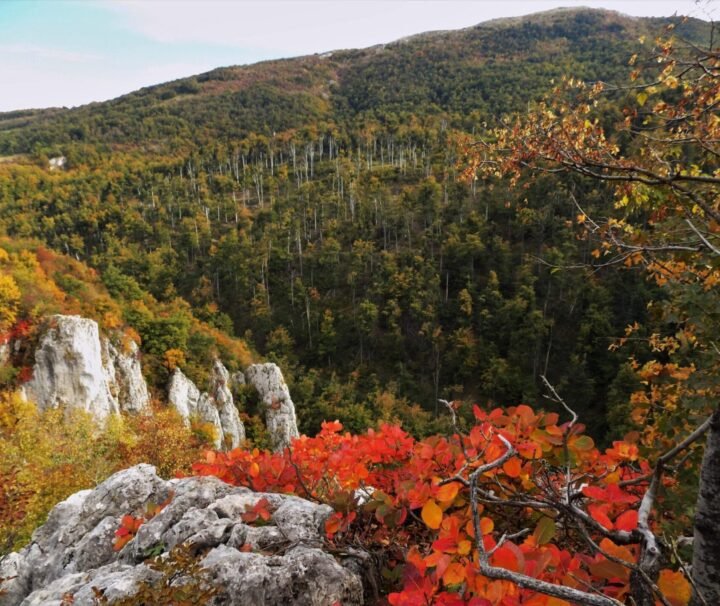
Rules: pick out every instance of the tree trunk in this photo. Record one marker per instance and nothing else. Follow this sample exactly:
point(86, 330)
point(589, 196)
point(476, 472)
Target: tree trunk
point(706, 546)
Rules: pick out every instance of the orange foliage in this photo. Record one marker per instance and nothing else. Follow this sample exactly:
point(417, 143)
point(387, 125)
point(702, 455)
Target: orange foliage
point(419, 499)
point(129, 525)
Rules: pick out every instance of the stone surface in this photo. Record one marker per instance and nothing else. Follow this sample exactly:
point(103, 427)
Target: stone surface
point(68, 368)
point(216, 406)
point(190, 403)
point(280, 418)
point(125, 379)
point(72, 553)
point(183, 395)
point(220, 391)
point(77, 368)
point(57, 163)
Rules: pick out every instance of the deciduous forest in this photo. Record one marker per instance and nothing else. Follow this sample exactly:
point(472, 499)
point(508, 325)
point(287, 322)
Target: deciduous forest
point(485, 260)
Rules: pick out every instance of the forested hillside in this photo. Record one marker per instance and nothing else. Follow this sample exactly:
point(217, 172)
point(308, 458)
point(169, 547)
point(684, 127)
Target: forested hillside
point(314, 207)
point(486, 260)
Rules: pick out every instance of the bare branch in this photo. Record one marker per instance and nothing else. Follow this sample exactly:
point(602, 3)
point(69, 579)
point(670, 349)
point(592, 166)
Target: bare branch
point(629, 565)
point(681, 563)
point(703, 238)
point(521, 580)
point(559, 400)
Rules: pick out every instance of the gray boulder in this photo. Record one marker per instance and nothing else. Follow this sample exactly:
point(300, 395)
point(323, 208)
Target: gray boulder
point(281, 562)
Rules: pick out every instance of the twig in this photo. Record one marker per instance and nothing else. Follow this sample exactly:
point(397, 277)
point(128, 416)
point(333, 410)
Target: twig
point(298, 473)
point(521, 580)
point(559, 400)
point(686, 572)
point(705, 241)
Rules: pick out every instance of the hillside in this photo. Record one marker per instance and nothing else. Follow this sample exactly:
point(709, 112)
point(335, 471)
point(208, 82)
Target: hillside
point(313, 206)
point(489, 279)
point(492, 68)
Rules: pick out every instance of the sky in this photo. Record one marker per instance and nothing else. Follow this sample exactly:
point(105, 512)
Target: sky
point(56, 53)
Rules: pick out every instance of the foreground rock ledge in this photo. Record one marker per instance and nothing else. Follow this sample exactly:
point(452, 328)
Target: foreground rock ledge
point(280, 563)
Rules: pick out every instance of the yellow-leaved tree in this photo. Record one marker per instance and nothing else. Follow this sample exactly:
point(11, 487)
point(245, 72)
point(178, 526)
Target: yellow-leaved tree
point(660, 166)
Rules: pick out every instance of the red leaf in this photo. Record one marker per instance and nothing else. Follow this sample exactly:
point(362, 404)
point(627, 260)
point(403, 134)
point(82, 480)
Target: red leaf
point(627, 521)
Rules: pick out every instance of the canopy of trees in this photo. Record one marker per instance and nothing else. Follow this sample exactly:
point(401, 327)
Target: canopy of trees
point(399, 249)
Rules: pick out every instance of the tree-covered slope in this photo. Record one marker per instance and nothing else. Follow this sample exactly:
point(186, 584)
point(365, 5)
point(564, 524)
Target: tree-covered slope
point(314, 206)
point(491, 68)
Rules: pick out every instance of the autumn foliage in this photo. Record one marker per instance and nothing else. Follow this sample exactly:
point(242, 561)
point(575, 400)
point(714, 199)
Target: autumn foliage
point(408, 501)
point(45, 456)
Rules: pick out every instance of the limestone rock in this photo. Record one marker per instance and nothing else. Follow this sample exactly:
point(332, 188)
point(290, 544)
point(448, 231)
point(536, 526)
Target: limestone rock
point(68, 368)
point(4, 352)
point(57, 163)
point(216, 407)
point(125, 379)
point(186, 398)
point(182, 394)
point(220, 383)
point(72, 553)
point(280, 418)
point(75, 367)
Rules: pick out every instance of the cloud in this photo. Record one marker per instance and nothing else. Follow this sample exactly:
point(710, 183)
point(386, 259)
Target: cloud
point(48, 53)
point(300, 26)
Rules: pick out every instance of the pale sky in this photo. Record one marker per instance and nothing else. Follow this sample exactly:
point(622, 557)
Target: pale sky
point(71, 52)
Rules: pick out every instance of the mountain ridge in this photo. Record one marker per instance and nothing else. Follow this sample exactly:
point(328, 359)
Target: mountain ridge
point(455, 69)
point(243, 193)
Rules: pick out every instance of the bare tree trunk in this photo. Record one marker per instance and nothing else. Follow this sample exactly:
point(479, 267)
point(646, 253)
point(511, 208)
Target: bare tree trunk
point(706, 545)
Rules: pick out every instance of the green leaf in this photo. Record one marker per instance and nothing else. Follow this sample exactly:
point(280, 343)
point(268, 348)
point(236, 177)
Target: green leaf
point(583, 443)
point(545, 530)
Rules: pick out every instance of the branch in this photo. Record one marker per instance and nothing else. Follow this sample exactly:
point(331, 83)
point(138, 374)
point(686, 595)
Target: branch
point(703, 238)
point(298, 473)
point(650, 552)
point(522, 580)
point(629, 565)
point(671, 454)
point(686, 571)
point(559, 400)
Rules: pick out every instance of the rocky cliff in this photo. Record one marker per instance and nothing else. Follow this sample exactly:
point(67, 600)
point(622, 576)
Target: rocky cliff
point(216, 406)
point(77, 367)
point(71, 558)
point(74, 367)
point(124, 376)
point(280, 418)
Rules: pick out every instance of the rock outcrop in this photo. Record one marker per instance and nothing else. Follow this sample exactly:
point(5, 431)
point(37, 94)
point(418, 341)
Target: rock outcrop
point(280, 418)
point(4, 352)
point(125, 379)
point(221, 393)
point(281, 562)
point(75, 368)
point(215, 406)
